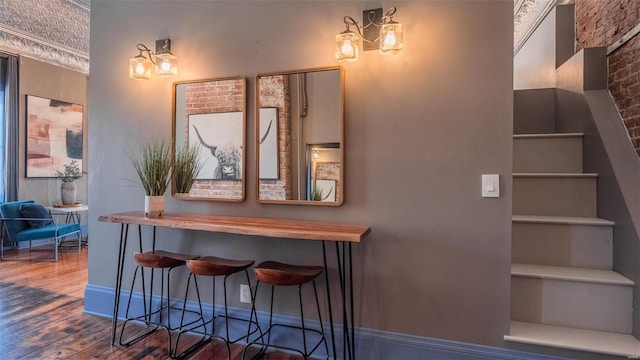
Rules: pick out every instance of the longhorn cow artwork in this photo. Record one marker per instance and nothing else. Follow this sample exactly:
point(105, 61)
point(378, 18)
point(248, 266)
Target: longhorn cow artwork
point(220, 136)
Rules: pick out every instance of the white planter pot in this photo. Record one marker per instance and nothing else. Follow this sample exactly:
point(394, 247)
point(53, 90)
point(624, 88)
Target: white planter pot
point(153, 206)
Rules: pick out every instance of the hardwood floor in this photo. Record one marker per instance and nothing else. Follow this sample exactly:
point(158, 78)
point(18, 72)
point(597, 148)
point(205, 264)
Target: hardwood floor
point(41, 317)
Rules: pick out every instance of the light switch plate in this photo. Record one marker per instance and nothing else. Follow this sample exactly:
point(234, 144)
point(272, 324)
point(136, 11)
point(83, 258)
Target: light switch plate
point(490, 185)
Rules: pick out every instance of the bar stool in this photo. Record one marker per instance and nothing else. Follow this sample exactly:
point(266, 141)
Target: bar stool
point(158, 259)
point(214, 266)
point(280, 274)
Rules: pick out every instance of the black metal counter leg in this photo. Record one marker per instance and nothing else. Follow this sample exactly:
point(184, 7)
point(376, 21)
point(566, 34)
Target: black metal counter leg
point(124, 232)
point(326, 276)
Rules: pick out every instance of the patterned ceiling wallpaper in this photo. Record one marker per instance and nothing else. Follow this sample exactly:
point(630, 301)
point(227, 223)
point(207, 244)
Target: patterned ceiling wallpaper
point(52, 31)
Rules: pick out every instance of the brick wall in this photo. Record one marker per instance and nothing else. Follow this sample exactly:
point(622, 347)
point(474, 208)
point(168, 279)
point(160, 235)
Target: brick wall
point(274, 92)
point(215, 97)
point(601, 23)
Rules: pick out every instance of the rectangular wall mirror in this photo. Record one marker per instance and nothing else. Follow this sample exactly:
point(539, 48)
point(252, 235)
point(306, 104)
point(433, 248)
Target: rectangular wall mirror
point(300, 137)
point(211, 115)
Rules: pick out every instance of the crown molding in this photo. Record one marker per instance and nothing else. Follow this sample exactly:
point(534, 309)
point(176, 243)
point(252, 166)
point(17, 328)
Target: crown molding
point(51, 31)
point(527, 15)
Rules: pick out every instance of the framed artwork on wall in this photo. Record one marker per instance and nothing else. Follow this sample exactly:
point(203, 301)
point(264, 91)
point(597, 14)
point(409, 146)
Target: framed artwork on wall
point(269, 164)
point(54, 136)
point(324, 190)
point(220, 136)
point(329, 171)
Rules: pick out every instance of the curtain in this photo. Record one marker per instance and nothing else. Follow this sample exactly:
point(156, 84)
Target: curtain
point(3, 76)
point(9, 146)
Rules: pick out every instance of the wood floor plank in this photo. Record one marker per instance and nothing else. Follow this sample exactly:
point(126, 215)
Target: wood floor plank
point(41, 317)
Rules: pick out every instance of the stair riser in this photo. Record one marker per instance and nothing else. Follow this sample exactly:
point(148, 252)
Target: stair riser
point(562, 245)
point(534, 111)
point(551, 196)
point(547, 155)
point(582, 305)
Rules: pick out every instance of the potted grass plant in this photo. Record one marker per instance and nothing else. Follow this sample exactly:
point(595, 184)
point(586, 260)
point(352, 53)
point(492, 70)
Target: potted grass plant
point(186, 167)
point(153, 165)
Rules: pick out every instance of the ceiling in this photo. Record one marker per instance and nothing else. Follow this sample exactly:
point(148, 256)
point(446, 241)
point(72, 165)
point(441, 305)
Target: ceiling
point(57, 31)
point(52, 31)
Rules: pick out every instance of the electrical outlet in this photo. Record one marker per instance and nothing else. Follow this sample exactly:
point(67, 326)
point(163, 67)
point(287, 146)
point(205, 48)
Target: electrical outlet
point(245, 294)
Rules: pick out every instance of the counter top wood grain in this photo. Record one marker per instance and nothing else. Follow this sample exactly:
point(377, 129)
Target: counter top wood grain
point(280, 228)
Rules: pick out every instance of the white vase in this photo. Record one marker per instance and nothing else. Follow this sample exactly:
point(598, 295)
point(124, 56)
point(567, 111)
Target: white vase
point(68, 193)
point(153, 206)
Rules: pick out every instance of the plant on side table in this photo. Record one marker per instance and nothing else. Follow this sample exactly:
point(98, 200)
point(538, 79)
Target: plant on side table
point(153, 166)
point(70, 174)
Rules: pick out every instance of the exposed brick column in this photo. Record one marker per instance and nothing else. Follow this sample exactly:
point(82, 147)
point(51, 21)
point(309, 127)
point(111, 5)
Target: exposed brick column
point(274, 92)
point(600, 23)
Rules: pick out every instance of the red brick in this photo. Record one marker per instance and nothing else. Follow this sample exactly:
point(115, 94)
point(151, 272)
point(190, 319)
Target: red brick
point(601, 23)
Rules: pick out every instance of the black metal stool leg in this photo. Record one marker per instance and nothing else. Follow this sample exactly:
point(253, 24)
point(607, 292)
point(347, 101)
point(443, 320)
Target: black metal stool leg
point(305, 352)
point(153, 311)
point(146, 317)
point(324, 338)
point(253, 313)
point(304, 334)
point(251, 321)
point(185, 328)
point(270, 315)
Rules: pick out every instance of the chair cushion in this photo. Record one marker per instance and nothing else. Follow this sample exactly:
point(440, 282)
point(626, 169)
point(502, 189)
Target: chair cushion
point(11, 210)
point(49, 231)
point(36, 211)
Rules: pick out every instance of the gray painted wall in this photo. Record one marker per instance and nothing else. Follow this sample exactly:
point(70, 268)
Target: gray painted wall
point(548, 47)
point(53, 82)
point(534, 66)
point(421, 128)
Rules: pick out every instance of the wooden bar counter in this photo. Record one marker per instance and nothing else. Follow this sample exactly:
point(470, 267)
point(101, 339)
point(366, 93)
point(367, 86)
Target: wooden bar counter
point(278, 228)
point(343, 235)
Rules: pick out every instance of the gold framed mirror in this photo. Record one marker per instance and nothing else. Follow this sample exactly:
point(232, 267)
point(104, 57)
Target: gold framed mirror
point(210, 116)
point(300, 137)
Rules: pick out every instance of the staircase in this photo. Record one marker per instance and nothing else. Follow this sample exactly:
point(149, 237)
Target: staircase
point(564, 293)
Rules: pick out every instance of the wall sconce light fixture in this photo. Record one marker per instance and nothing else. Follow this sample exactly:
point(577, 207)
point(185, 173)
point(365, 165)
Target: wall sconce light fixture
point(377, 32)
point(166, 64)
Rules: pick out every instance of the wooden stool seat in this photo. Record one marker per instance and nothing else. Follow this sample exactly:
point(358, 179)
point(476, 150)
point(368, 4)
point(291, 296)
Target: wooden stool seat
point(215, 266)
point(280, 274)
point(161, 259)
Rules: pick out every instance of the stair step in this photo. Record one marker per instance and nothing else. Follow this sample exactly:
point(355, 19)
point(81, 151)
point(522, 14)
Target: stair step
point(562, 241)
point(570, 273)
point(555, 175)
point(591, 299)
point(547, 153)
point(549, 135)
point(574, 339)
point(569, 220)
point(554, 194)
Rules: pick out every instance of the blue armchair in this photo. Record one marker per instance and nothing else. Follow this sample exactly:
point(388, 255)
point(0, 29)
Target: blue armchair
point(28, 221)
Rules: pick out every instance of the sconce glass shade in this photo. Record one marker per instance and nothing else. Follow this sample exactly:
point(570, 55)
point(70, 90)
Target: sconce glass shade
point(347, 46)
point(390, 38)
point(166, 64)
point(140, 68)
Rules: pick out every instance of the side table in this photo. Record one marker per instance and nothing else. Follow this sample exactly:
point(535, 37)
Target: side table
point(72, 214)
